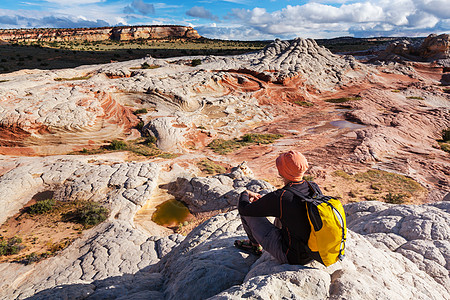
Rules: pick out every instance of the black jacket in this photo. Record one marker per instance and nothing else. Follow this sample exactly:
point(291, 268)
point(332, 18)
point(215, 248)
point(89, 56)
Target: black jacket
point(291, 211)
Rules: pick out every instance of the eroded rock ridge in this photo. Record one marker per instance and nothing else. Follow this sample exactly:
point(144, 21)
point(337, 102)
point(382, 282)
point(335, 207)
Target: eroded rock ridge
point(122, 33)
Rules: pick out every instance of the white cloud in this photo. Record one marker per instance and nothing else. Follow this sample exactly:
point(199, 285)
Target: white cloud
point(139, 6)
point(72, 2)
point(439, 8)
point(30, 19)
point(379, 17)
point(166, 6)
point(201, 12)
point(422, 19)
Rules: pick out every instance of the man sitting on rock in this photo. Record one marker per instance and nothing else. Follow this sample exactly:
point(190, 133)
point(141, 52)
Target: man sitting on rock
point(286, 239)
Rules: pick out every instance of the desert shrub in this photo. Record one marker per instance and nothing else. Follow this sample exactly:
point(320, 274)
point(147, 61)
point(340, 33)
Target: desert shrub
point(254, 138)
point(222, 146)
point(395, 198)
point(42, 207)
point(33, 258)
point(447, 91)
point(304, 103)
point(73, 78)
point(446, 135)
point(196, 62)
point(147, 66)
point(88, 214)
point(414, 97)
point(445, 147)
point(210, 167)
point(343, 99)
point(117, 145)
point(55, 247)
point(10, 246)
point(140, 125)
point(140, 111)
point(168, 155)
point(341, 173)
point(150, 140)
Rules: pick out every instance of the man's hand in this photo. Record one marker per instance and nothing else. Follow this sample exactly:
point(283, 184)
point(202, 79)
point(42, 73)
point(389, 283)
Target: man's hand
point(253, 196)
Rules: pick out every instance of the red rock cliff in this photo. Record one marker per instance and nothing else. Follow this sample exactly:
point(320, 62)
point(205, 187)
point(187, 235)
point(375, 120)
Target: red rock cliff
point(99, 34)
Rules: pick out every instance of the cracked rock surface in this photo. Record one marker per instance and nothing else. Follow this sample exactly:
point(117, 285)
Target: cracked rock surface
point(392, 252)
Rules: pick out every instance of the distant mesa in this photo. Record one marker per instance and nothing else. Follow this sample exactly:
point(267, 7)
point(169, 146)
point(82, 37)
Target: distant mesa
point(121, 33)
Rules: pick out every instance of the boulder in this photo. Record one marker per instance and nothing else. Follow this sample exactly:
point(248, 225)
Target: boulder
point(433, 47)
point(168, 132)
point(206, 265)
point(219, 191)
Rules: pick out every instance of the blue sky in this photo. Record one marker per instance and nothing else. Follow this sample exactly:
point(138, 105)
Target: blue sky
point(241, 19)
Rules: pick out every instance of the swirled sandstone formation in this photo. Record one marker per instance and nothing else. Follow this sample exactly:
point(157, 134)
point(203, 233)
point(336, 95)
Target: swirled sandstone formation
point(91, 104)
point(433, 47)
point(393, 251)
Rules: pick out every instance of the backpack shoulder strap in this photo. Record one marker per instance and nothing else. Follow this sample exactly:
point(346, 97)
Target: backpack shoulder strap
point(296, 193)
point(316, 192)
point(314, 188)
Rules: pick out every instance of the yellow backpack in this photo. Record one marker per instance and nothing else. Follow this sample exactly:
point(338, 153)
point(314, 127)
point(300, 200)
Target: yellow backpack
point(328, 226)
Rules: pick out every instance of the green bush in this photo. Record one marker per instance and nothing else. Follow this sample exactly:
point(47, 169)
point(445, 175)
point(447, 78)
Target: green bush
point(343, 99)
point(445, 147)
point(254, 138)
point(446, 135)
point(150, 140)
point(140, 125)
point(210, 167)
point(34, 258)
point(304, 103)
point(415, 98)
point(196, 62)
point(147, 66)
point(226, 146)
point(42, 207)
point(140, 111)
point(10, 246)
point(117, 145)
point(395, 198)
point(89, 214)
point(222, 146)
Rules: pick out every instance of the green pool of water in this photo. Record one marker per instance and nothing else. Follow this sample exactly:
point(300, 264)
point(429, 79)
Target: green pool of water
point(170, 213)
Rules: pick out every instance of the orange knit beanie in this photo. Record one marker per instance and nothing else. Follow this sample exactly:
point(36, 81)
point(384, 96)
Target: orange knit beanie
point(292, 165)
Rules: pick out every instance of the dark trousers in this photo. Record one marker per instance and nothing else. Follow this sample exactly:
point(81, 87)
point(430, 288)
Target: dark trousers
point(261, 231)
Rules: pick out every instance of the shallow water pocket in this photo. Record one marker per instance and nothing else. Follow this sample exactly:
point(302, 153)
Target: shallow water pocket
point(170, 213)
point(346, 124)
